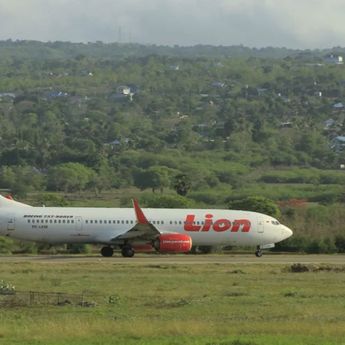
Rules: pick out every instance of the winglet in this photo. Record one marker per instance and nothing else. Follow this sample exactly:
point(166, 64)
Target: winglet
point(141, 219)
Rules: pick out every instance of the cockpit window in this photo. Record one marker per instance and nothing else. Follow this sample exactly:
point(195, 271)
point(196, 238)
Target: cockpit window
point(275, 222)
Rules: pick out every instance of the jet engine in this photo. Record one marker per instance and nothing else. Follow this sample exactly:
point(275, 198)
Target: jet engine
point(173, 243)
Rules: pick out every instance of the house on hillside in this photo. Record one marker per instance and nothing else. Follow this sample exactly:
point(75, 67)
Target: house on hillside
point(218, 84)
point(174, 67)
point(338, 106)
point(334, 59)
point(55, 94)
point(125, 91)
point(329, 124)
point(7, 96)
point(338, 143)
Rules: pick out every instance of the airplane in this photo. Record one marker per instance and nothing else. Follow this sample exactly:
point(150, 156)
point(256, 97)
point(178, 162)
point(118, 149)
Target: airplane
point(140, 230)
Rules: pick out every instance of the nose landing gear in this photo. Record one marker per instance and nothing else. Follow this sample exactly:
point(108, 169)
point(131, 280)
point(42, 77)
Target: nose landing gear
point(258, 252)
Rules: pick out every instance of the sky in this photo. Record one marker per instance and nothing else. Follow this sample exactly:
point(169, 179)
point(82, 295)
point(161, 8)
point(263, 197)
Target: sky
point(302, 24)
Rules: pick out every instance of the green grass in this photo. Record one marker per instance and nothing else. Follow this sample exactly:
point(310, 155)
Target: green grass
point(213, 304)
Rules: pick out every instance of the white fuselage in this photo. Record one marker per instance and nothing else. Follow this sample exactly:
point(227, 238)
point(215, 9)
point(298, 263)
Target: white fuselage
point(102, 225)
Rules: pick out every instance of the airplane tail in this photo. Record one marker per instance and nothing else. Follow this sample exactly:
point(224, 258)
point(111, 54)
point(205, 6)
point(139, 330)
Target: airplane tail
point(7, 201)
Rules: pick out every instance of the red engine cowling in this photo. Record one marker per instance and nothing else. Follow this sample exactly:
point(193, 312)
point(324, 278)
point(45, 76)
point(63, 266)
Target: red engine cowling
point(173, 243)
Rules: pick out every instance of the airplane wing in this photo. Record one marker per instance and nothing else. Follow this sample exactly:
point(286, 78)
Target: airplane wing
point(142, 230)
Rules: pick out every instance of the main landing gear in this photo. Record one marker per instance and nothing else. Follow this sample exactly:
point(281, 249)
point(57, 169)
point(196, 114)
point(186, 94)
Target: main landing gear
point(107, 252)
point(126, 250)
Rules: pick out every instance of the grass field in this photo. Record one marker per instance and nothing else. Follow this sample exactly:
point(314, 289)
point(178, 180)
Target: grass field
point(210, 304)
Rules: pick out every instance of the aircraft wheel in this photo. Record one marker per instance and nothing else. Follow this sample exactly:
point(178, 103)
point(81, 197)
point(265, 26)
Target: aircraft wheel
point(107, 252)
point(258, 253)
point(127, 251)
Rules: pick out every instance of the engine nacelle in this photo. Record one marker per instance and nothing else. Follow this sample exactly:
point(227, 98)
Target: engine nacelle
point(173, 243)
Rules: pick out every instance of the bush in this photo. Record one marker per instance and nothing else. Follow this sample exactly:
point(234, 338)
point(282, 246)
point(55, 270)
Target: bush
point(5, 245)
point(211, 198)
point(340, 243)
point(166, 201)
point(256, 204)
point(307, 245)
point(321, 246)
point(293, 244)
point(7, 288)
point(49, 199)
point(77, 248)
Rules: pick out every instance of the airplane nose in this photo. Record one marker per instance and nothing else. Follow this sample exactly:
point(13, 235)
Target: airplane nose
point(286, 232)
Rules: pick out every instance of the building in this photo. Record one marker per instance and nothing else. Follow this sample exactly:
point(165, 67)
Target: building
point(338, 143)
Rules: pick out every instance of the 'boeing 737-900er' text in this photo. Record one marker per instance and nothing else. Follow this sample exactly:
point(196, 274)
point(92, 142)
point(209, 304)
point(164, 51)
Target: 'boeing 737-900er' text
point(135, 229)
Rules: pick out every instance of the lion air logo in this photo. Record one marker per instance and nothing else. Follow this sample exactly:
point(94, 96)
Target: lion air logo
point(218, 225)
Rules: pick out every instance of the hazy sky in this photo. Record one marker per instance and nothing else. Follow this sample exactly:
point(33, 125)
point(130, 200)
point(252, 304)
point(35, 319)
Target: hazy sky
point(254, 23)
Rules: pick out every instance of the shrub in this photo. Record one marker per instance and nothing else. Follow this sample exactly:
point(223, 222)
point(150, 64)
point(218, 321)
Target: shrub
point(340, 243)
point(7, 288)
point(165, 201)
point(256, 204)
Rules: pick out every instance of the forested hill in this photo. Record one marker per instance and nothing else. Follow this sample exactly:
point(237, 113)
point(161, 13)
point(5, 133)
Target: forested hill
point(67, 50)
point(232, 121)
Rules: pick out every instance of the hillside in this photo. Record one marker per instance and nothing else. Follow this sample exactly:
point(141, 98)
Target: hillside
point(232, 121)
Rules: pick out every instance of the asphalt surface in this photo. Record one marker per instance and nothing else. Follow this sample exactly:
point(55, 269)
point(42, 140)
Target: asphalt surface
point(142, 259)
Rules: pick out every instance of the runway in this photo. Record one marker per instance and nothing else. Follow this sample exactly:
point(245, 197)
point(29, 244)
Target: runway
point(142, 259)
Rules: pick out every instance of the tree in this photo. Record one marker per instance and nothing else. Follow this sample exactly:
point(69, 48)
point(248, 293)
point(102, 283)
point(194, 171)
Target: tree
point(256, 204)
point(69, 177)
point(182, 184)
point(166, 201)
point(154, 177)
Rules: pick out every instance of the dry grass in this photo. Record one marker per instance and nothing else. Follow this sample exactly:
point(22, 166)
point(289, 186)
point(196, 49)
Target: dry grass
point(174, 304)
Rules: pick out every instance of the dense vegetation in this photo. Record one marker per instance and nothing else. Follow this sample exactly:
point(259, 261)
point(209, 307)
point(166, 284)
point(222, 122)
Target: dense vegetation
point(232, 121)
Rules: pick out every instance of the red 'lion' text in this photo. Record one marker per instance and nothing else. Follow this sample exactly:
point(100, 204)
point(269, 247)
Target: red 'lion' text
point(218, 225)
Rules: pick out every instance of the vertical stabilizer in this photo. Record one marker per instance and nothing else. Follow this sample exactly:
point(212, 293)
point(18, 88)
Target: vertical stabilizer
point(9, 202)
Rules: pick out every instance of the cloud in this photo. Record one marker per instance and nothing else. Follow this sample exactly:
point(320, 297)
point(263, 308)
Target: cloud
point(291, 23)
